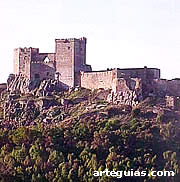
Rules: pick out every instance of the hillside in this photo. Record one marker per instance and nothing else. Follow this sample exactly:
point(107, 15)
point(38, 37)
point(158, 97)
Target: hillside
point(66, 136)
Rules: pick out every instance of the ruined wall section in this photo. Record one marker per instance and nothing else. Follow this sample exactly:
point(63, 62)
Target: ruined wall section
point(122, 84)
point(42, 65)
point(126, 91)
point(96, 80)
point(41, 70)
point(51, 57)
point(65, 61)
point(41, 57)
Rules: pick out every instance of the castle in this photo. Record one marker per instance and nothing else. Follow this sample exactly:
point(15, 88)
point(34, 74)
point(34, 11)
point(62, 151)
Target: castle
point(67, 62)
point(68, 65)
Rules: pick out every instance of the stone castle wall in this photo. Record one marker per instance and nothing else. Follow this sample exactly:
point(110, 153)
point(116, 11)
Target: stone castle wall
point(122, 84)
point(143, 73)
point(118, 79)
point(69, 59)
point(167, 87)
point(69, 62)
point(96, 80)
point(42, 70)
point(43, 66)
point(126, 91)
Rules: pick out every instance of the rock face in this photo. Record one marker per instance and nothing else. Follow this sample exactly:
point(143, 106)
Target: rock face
point(46, 87)
point(18, 83)
point(25, 112)
point(130, 98)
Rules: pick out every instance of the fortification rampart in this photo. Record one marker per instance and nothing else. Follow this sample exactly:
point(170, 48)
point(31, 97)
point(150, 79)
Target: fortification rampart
point(68, 66)
point(143, 73)
point(96, 80)
point(167, 87)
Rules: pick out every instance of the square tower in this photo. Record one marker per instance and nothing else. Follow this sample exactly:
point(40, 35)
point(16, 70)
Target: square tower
point(70, 60)
point(22, 59)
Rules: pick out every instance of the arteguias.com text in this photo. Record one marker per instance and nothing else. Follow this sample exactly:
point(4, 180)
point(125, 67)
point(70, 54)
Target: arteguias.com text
point(120, 174)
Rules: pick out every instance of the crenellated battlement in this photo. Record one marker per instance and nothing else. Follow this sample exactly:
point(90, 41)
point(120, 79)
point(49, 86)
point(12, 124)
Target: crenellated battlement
point(71, 39)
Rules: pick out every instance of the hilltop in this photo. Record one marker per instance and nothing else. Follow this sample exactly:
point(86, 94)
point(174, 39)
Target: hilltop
point(67, 135)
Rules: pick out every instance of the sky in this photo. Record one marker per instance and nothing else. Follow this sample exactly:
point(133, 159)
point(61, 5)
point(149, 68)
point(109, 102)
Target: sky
point(120, 33)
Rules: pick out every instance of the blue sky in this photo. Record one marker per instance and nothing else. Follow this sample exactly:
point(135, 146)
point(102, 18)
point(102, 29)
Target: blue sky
point(120, 33)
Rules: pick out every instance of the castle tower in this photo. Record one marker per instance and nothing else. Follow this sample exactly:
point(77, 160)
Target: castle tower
point(22, 59)
point(67, 62)
point(70, 60)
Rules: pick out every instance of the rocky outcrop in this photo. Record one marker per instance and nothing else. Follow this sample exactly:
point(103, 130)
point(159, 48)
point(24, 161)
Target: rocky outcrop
point(128, 97)
point(20, 111)
point(127, 91)
point(46, 87)
point(19, 83)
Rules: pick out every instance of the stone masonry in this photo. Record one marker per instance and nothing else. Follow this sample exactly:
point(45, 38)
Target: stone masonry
point(68, 66)
point(68, 60)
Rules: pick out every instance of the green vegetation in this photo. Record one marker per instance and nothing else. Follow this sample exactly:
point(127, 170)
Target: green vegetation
point(113, 137)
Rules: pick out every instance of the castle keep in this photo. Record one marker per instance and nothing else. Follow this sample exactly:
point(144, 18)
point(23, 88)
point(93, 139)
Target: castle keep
point(68, 66)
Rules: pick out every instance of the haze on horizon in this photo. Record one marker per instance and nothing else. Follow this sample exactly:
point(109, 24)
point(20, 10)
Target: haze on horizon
point(120, 33)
